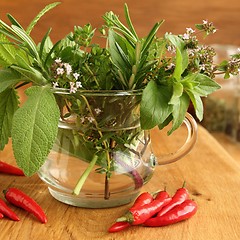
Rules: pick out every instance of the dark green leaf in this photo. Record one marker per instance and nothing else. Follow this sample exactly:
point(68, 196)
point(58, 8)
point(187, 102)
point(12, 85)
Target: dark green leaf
point(8, 106)
point(154, 105)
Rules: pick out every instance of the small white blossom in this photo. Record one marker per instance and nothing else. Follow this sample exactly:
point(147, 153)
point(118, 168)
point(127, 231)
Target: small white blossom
point(97, 110)
point(68, 68)
point(55, 84)
point(91, 119)
point(58, 60)
point(205, 21)
point(78, 84)
point(190, 30)
point(76, 75)
point(186, 36)
point(238, 49)
point(60, 71)
point(73, 88)
point(202, 67)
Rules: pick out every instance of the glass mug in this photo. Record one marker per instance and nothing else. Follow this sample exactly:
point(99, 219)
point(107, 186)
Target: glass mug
point(104, 126)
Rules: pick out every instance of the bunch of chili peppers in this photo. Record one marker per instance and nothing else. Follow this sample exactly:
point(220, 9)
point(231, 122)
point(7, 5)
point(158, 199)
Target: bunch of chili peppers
point(156, 210)
point(18, 198)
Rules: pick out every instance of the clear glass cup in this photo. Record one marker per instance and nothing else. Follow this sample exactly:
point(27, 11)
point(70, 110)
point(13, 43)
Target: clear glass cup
point(103, 126)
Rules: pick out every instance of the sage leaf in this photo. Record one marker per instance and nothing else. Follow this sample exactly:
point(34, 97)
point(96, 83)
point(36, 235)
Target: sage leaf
point(154, 108)
point(34, 129)
point(8, 106)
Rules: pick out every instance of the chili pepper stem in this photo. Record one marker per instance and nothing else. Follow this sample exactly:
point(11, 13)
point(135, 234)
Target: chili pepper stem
point(84, 176)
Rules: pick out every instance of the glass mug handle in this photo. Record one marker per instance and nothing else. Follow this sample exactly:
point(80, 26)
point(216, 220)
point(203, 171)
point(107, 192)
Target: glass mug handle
point(191, 125)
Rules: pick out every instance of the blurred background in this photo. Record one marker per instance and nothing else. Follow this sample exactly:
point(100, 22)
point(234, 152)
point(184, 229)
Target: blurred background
point(222, 110)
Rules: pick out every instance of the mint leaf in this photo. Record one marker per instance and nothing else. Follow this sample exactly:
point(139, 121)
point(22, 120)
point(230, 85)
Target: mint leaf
point(181, 55)
point(34, 129)
point(197, 104)
point(179, 112)
point(8, 106)
point(205, 85)
point(154, 107)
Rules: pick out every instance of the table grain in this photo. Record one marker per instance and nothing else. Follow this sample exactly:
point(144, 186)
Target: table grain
point(212, 177)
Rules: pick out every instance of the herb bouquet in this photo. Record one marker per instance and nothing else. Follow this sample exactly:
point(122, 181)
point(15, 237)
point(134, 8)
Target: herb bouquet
point(94, 102)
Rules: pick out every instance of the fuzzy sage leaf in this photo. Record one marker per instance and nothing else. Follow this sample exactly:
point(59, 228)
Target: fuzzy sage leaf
point(34, 129)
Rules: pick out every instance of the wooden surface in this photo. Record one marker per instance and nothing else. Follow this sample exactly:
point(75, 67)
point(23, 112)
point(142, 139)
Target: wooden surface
point(212, 175)
point(212, 178)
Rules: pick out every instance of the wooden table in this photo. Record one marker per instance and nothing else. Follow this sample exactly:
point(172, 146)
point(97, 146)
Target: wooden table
point(212, 175)
point(213, 180)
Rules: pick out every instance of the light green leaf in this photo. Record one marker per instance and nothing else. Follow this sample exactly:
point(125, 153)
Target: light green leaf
point(177, 92)
point(8, 106)
point(7, 51)
point(154, 107)
point(197, 104)
point(8, 78)
point(31, 74)
point(181, 55)
point(40, 14)
point(27, 40)
point(34, 129)
point(205, 85)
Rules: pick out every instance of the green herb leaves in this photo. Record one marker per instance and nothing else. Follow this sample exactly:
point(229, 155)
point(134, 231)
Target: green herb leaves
point(34, 129)
point(154, 105)
point(8, 106)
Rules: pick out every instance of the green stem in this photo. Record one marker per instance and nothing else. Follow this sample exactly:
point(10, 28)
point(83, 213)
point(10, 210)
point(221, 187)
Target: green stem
point(84, 176)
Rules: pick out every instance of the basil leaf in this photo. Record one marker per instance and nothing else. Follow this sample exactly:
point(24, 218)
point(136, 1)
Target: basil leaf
point(179, 112)
point(154, 107)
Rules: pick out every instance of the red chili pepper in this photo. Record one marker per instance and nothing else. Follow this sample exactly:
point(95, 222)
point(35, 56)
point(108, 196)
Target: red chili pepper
point(162, 195)
point(143, 199)
point(118, 226)
point(179, 197)
point(6, 211)
point(22, 200)
point(9, 169)
point(137, 216)
point(1, 215)
point(181, 212)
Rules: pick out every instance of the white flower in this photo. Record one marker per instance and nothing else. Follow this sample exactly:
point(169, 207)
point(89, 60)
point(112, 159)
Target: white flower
point(186, 36)
point(73, 88)
point(58, 60)
point(76, 75)
point(68, 68)
point(205, 21)
point(60, 71)
point(91, 119)
point(78, 84)
point(97, 110)
point(55, 84)
point(190, 30)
